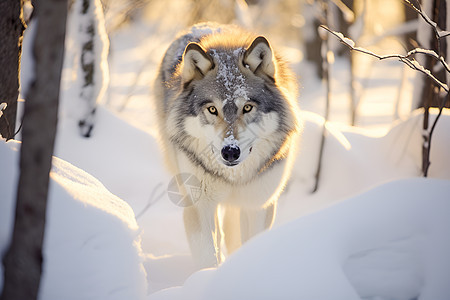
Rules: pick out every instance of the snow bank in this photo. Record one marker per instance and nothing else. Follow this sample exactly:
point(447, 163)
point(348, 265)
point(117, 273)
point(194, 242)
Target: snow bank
point(92, 244)
point(391, 243)
point(354, 161)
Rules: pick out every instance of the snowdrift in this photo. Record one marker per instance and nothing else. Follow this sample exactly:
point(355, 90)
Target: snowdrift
point(354, 162)
point(392, 242)
point(92, 244)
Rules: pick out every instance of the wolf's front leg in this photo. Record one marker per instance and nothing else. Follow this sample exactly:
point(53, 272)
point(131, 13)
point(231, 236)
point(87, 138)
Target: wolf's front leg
point(203, 233)
point(256, 221)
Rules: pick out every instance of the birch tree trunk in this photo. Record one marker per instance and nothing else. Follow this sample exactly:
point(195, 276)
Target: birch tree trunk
point(12, 26)
point(87, 17)
point(23, 260)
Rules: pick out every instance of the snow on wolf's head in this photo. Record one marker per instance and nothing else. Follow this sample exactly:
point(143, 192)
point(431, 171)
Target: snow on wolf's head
point(236, 110)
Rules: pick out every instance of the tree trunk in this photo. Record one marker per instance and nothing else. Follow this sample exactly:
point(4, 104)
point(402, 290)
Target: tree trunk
point(325, 49)
point(94, 47)
point(410, 14)
point(12, 26)
point(429, 94)
point(23, 261)
point(311, 36)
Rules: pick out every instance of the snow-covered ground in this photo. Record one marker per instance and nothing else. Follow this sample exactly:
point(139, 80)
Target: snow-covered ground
point(373, 230)
point(89, 232)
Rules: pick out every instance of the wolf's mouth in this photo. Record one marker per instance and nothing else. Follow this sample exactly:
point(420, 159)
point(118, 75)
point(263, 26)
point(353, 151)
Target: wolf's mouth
point(230, 164)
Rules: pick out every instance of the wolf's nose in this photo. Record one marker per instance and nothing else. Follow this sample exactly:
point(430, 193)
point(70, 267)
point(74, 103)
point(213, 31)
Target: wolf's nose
point(231, 153)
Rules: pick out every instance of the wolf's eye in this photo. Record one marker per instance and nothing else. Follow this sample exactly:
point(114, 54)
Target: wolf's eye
point(247, 108)
point(212, 110)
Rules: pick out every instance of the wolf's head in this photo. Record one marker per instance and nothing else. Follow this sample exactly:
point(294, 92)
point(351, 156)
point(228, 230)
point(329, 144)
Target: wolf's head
point(233, 115)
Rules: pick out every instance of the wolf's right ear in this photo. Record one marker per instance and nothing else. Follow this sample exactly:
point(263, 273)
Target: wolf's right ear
point(196, 62)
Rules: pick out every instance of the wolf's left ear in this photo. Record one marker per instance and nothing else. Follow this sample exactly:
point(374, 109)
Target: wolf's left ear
point(196, 62)
point(259, 57)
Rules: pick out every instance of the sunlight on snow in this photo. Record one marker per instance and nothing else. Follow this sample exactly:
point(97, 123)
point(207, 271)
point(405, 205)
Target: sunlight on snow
point(90, 192)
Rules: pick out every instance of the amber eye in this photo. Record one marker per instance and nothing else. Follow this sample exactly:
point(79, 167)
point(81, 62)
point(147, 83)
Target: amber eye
point(247, 108)
point(212, 110)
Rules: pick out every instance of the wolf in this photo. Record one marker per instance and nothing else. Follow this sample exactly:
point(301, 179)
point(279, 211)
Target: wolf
point(227, 113)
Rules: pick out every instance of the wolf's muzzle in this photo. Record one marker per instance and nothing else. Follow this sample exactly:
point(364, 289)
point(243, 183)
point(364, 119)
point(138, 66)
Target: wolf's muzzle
point(230, 154)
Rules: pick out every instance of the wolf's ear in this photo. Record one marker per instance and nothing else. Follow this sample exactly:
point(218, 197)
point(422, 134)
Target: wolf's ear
point(259, 57)
point(196, 62)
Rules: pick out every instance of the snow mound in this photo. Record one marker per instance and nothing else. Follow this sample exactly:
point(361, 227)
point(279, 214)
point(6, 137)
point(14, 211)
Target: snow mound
point(391, 242)
point(92, 243)
point(354, 161)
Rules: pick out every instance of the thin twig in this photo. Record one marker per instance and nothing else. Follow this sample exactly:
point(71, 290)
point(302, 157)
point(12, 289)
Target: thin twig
point(152, 200)
point(444, 34)
point(430, 53)
point(413, 64)
point(430, 22)
point(325, 48)
point(430, 134)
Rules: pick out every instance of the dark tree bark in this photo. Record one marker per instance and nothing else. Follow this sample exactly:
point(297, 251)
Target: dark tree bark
point(429, 95)
point(410, 14)
point(12, 26)
point(325, 48)
point(312, 49)
point(23, 261)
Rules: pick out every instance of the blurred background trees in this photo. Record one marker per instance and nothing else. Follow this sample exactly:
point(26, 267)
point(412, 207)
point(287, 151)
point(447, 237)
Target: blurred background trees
point(382, 26)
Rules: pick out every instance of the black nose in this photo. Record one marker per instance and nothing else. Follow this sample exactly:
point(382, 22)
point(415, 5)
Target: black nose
point(231, 153)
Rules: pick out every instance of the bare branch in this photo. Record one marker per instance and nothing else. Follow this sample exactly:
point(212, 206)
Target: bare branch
point(444, 34)
point(437, 32)
point(422, 14)
point(413, 64)
point(432, 54)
